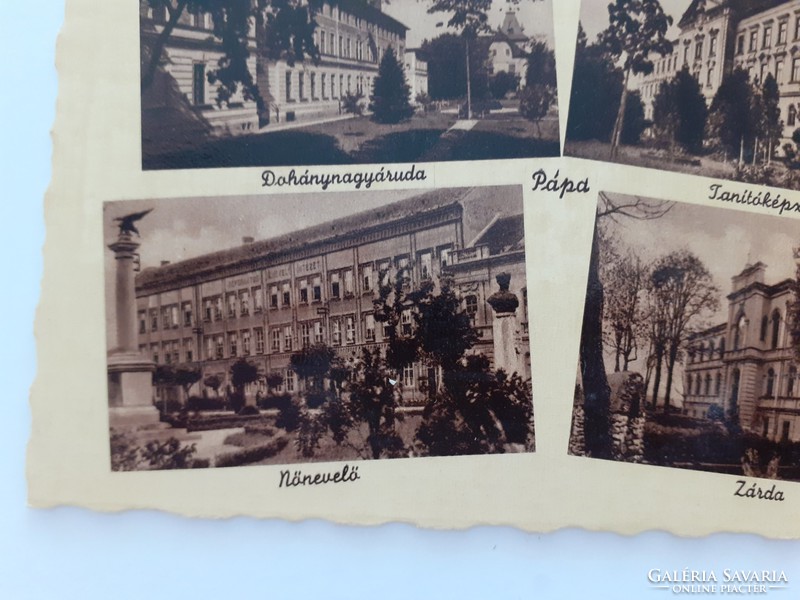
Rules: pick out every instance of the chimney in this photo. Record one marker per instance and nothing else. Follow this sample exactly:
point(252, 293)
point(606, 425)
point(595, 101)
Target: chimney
point(247, 240)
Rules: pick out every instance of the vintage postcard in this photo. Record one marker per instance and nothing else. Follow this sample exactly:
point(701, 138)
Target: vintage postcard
point(707, 88)
point(255, 304)
point(346, 82)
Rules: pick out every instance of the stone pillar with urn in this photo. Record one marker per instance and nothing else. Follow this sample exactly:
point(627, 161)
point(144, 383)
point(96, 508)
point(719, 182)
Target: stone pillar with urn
point(130, 375)
point(504, 327)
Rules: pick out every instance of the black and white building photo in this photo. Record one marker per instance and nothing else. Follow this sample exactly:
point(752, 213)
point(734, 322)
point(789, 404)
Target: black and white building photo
point(706, 87)
point(310, 82)
point(688, 355)
point(311, 327)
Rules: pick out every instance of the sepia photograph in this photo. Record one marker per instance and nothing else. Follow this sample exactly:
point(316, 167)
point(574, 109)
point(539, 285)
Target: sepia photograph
point(354, 326)
point(311, 82)
point(689, 354)
point(705, 87)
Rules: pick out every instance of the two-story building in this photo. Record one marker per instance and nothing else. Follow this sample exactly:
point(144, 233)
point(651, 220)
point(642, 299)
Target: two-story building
point(745, 367)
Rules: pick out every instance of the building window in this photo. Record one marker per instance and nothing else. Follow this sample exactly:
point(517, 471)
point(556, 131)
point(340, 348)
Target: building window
point(384, 272)
point(303, 285)
point(712, 46)
point(259, 333)
point(336, 290)
point(783, 26)
point(289, 379)
point(686, 54)
point(778, 71)
point(231, 306)
point(471, 303)
point(408, 376)
point(246, 342)
point(218, 308)
point(258, 301)
point(153, 319)
point(322, 86)
point(709, 75)
point(287, 295)
point(219, 347)
point(350, 330)
point(366, 278)
point(763, 72)
point(305, 335)
point(199, 84)
point(718, 385)
point(142, 321)
point(233, 344)
point(770, 382)
point(288, 86)
point(275, 340)
point(753, 40)
point(336, 332)
point(186, 309)
point(697, 383)
point(287, 338)
point(301, 82)
point(785, 431)
point(405, 323)
point(273, 296)
point(791, 118)
point(707, 389)
point(188, 350)
point(445, 257)
point(316, 289)
point(425, 270)
point(776, 325)
point(313, 83)
point(244, 303)
point(322, 42)
point(698, 50)
point(767, 39)
point(764, 326)
point(790, 381)
point(318, 338)
point(341, 46)
point(209, 347)
point(369, 328)
point(333, 86)
point(154, 353)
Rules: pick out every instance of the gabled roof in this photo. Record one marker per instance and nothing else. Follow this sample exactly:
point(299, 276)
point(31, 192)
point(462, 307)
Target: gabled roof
point(512, 28)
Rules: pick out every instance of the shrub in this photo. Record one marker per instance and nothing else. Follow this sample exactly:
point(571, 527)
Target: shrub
point(247, 411)
point(289, 417)
point(351, 103)
point(252, 454)
point(280, 402)
point(197, 403)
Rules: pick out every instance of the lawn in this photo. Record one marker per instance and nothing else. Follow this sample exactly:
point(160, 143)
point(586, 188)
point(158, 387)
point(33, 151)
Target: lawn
point(359, 140)
point(637, 157)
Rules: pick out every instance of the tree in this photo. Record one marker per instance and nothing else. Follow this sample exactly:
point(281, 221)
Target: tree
point(684, 292)
point(772, 125)
point(312, 364)
point(390, 92)
point(243, 373)
point(633, 122)
point(471, 18)
point(731, 121)
point(637, 29)
point(539, 93)
point(186, 376)
point(624, 278)
point(284, 29)
point(213, 382)
point(502, 83)
point(597, 394)
point(680, 112)
point(596, 90)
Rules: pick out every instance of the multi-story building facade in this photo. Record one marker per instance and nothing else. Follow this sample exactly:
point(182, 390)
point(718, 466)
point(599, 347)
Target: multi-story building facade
point(416, 66)
point(745, 367)
point(265, 300)
point(352, 38)
point(717, 36)
point(508, 48)
point(180, 100)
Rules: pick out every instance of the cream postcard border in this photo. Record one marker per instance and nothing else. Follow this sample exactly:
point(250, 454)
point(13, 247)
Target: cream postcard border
point(96, 158)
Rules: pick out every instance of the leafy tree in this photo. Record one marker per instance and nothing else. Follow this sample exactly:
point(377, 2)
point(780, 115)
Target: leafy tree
point(243, 373)
point(637, 29)
point(447, 72)
point(596, 90)
point(313, 364)
point(390, 92)
point(502, 83)
point(633, 123)
point(684, 292)
point(540, 66)
point(732, 121)
point(680, 112)
point(351, 103)
point(597, 393)
point(186, 376)
point(771, 123)
point(213, 382)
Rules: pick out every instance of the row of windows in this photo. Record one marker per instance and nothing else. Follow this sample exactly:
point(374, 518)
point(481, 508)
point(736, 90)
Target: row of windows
point(701, 385)
point(171, 353)
point(769, 331)
point(239, 343)
point(327, 88)
point(752, 38)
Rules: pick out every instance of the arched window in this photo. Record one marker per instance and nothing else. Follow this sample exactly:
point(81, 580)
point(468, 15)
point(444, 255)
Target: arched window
point(738, 332)
point(770, 387)
point(718, 385)
point(762, 336)
point(707, 390)
point(471, 305)
point(790, 382)
point(697, 383)
point(688, 385)
point(776, 325)
point(721, 347)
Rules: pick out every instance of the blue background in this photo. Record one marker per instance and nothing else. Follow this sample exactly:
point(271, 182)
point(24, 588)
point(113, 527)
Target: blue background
point(73, 553)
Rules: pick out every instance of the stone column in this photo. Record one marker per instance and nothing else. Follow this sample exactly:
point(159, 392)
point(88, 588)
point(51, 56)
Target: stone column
point(504, 327)
point(130, 375)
